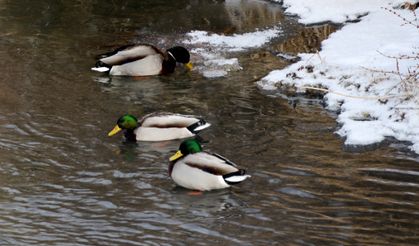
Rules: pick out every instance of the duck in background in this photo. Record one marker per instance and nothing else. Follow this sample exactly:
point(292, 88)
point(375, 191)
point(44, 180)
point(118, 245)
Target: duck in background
point(142, 60)
point(195, 169)
point(159, 127)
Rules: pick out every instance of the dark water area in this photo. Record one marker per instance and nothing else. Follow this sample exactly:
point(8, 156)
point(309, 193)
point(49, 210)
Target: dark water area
point(64, 182)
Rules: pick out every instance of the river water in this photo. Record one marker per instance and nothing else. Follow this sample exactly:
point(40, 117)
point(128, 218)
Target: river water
point(64, 182)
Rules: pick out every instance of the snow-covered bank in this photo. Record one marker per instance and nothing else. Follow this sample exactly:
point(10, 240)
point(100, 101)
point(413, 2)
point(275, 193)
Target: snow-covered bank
point(316, 11)
point(213, 48)
point(371, 89)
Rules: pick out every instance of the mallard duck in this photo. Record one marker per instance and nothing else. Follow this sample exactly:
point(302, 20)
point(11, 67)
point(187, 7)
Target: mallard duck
point(142, 60)
point(159, 127)
point(195, 169)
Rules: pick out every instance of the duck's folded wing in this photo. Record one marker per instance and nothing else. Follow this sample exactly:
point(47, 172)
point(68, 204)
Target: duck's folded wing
point(209, 163)
point(167, 120)
point(128, 53)
point(224, 159)
point(111, 53)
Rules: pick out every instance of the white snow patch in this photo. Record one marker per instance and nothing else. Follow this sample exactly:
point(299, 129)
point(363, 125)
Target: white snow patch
point(214, 73)
point(373, 105)
point(235, 42)
point(214, 48)
point(314, 11)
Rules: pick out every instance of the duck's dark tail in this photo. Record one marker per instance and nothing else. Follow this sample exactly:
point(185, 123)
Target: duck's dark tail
point(101, 67)
point(236, 177)
point(198, 126)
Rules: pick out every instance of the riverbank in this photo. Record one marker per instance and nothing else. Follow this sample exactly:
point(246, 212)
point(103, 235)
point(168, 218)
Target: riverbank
point(368, 69)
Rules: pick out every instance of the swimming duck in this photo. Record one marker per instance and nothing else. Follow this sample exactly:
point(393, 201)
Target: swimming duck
point(159, 127)
point(195, 169)
point(142, 60)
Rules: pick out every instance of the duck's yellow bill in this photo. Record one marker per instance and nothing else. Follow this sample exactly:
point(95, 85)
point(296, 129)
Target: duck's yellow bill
point(114, 131)
point(176, 156)
point(189, 65)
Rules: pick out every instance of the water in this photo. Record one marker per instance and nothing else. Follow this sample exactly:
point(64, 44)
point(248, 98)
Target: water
point(64, 182)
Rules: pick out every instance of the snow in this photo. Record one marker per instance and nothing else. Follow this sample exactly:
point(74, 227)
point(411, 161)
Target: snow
point(236, 42)
point(314, 11)
point(357, 65)
point(213, 49)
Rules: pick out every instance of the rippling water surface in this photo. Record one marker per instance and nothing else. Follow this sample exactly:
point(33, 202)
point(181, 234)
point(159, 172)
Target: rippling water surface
point(64, 182)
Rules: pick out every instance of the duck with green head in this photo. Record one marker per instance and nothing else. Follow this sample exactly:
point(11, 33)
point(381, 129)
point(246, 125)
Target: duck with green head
point(195, 169)
point(142, 60)
point(159, 127)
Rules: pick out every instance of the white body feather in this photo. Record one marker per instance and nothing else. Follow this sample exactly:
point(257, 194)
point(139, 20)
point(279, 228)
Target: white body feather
point(149, 65)
point(193, 177)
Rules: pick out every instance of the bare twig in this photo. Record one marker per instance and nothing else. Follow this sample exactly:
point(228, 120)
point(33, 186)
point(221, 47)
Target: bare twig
point(406, 21)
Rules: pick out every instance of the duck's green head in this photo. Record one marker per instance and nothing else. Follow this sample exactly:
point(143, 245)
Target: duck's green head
point(189, 146)
point(181, 54)
point(127, 122)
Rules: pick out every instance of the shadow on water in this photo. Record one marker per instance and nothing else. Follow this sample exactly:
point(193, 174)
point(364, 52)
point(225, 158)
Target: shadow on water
point(64, 182)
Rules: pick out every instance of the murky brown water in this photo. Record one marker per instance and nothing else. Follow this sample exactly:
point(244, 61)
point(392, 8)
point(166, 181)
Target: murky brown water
point(63, 182)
